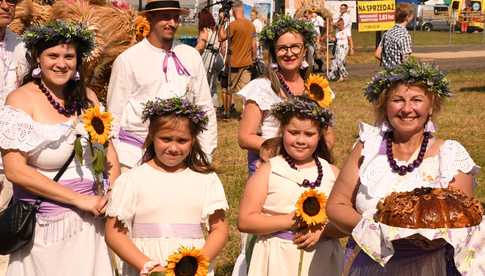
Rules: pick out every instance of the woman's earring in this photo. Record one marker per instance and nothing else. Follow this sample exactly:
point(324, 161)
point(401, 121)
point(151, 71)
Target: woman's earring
point(36, 72)
point(76, 76)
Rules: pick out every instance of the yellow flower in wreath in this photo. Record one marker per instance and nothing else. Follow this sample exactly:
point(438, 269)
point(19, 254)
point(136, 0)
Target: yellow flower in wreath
point(97, 124)
point(187, 262)
point(317, 89)
point(310, 208)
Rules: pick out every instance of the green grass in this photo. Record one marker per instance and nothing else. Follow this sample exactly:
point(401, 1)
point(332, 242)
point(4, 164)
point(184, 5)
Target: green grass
point(367, 39)
point(461, 119)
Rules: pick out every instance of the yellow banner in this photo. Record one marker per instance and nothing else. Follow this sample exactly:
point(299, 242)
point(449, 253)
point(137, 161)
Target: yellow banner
point(375, 15)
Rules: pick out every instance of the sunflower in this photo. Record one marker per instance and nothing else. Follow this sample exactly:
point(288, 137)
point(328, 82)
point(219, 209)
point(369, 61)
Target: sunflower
point(317, 89)
point(310, 208)
point(97, 124)
point(142, 27)
point(187, 262)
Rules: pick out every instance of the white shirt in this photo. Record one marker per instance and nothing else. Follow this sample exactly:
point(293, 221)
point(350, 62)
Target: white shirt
point(13, 64)
point(317, 23)
point(137, 77)
point(347, 22)
point(342, 37)
point(258, 25)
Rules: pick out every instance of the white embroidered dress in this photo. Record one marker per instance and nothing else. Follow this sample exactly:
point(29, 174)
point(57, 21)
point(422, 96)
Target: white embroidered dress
point(66, 241)
point(162, 209)
point(378, 181)
point(275, 256)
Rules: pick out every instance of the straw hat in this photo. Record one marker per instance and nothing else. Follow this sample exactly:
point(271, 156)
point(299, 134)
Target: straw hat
point(164, 5)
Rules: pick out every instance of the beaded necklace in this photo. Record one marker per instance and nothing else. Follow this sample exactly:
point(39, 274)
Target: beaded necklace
point(64, 111)
point(403, 170)
point(284, 85)
point(306, 182)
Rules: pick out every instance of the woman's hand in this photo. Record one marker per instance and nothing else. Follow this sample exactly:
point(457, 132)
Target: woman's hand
point(158, 268)
point(308, 238)
point(92, 204)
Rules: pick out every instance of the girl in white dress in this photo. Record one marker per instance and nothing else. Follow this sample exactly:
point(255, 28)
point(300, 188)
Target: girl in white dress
point(268, 206)
point(163, 204)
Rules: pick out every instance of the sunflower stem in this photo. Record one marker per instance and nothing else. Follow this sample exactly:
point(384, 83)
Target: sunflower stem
point(300, 264)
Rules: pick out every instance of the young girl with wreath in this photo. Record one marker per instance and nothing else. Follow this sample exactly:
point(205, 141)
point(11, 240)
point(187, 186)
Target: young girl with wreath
point(284, 201)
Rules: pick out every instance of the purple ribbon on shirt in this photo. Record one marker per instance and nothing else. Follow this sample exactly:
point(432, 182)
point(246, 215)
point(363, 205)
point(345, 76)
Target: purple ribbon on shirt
point(156, 230)
point(131, 139)
point(50, 208)
point(181, 70)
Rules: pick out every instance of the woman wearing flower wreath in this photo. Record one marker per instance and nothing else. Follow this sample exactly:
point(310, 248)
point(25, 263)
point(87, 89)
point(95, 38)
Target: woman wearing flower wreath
point(293, 242)
point(400, 153)
point(40, 124)
point(287, 40)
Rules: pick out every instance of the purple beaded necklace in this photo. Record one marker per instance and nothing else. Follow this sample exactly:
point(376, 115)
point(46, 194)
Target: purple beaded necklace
point(306, 182)
point(64, 111)
point(403, 170)
point(284, 85)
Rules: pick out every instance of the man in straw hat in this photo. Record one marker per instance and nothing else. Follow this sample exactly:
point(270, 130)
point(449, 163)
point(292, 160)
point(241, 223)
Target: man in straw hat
point(157, 66)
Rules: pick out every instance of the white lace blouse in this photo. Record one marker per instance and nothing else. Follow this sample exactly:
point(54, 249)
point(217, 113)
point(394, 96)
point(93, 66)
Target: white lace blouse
point(260, 91)
point(47, 146)
point(377, 179)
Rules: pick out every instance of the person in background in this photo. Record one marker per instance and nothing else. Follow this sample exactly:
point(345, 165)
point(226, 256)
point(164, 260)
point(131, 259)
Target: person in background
point(345, 16)
point(208, 46)
point(241, 34)
point(395, 46)
point(342, 41)
point(258, 26)
point(157, 66)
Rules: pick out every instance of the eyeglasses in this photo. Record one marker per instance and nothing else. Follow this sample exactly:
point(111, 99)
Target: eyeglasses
point(295, 49)
point(9, 2)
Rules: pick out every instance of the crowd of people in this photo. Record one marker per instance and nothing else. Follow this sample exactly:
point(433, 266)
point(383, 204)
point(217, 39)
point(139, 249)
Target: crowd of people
point(162, 207)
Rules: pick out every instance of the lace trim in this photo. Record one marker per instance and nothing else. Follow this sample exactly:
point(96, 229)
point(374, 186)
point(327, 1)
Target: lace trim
point(454, 158)
point(260, 91)
point(19, 131)
point(50, 230)
point(375, 170)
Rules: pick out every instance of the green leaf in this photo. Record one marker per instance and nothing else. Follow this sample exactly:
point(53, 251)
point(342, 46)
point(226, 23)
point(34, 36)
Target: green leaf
point(78, 149)
point(98, 161)
point(157, 274)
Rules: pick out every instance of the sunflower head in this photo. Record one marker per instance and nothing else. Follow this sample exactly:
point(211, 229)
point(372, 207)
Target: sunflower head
point(187, 262)
point(97, 124)
point(310, 208)
point(142, 27)
point(317, 89)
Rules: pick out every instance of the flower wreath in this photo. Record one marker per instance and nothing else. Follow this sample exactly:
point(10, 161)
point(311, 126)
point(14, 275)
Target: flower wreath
point(304, 107)
point(178, 107)
point(59, 31)
point(286, 23)
point(410, 72)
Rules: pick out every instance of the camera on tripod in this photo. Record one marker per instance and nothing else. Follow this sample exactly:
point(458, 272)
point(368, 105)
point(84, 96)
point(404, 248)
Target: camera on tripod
point(226, 6)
